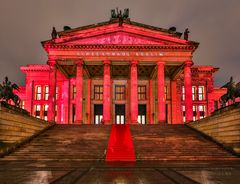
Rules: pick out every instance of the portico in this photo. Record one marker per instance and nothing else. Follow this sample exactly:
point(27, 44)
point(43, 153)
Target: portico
point(120, 90)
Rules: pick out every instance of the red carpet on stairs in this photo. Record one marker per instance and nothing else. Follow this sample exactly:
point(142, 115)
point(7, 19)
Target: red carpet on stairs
point(120, 145)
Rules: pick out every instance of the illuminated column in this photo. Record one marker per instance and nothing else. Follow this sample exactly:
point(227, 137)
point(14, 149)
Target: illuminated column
point(174, 101)
point(150, 102)
point(106, 92)
point(66, 94)
point(52, 90)
point(89, 101)
point(161, 95)
point(188, 90)
point(29, 94)
point(79, 92)
point(59, 103)
point(134, 92)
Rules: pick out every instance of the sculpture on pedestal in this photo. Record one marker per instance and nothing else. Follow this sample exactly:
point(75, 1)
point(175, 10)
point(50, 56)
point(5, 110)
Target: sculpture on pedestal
point(7, 94)
point(233, 92)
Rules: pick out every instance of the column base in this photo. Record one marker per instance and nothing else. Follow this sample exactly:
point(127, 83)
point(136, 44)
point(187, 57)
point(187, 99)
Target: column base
point(134, 122)
point(78, 122)
point(162, 122)
point(106, 122)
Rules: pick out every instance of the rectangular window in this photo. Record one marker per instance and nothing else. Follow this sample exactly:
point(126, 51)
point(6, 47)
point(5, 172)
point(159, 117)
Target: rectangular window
point(56, 107)
point(73, 91)
point(46, 92)
point(142, 92)
point(45, 112)
point(73, 113)
point(120, 92)
point(201, 109)
point(22, 104)
point(194, 96)
point(194, 112)
point(37, 111)
point(184, 113)
point(201, 93)
point(165, 92)
point(98, 92)
point(38, 91)
point(183, 93)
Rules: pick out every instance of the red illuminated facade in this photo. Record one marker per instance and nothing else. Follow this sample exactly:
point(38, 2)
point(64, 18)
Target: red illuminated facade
point(111, 74)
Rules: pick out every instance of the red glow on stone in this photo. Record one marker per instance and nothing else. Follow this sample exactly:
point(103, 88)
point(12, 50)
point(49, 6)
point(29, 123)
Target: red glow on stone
point(120, 145)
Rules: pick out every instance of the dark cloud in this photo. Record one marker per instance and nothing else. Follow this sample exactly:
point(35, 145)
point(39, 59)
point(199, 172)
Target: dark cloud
point(25, 23)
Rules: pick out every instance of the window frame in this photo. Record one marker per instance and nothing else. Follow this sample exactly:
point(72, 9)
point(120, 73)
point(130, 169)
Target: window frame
point(98, 92)
point(142, 92)
point(120, 92)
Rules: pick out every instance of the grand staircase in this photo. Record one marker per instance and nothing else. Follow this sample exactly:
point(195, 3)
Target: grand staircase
point(174, 142)
point(66, 142)
point(91, 142)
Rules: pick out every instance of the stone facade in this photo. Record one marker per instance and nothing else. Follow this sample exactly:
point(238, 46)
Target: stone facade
point(108, 74)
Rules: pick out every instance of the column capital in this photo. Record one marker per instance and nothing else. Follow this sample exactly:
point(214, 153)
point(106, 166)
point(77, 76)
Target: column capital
point(133, 63)
point(79, 62)
point(106, 62)
point(160, 62)
point(188, 63)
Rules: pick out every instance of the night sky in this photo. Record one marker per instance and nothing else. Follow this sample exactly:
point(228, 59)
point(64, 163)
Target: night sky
point(213, 23)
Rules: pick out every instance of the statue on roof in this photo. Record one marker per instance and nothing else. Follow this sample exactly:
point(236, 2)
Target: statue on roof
point(113, 14)
point(126, 13)
point(54, 33)
point(233, 92)
point(120, 17)
point(186, 34)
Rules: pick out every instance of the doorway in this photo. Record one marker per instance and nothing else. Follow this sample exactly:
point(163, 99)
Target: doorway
point(142, 113)
point(119, 114)
point(98, 113)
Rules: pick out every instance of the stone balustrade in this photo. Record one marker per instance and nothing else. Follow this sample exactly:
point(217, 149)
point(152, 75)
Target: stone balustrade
point(223, 126)
point(17, 127)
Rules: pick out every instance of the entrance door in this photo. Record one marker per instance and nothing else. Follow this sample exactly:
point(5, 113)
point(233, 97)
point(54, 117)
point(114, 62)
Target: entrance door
point(142, 114)
point(120, 114)
point(98, 113)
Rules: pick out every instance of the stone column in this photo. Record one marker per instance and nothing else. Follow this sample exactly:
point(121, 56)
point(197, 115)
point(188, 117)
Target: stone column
point(29, 94)
point(150, 102)
point(106, 92)
point(89, 101)
point(52, 90)
point(188, 90)
point(59, 103)
point(79, 92)
point(174, 101)
point(66, 95)
point(134, 92)
point(161, 95)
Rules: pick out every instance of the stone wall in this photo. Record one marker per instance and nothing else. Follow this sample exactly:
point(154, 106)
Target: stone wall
point(17, 127)
point(223, 126)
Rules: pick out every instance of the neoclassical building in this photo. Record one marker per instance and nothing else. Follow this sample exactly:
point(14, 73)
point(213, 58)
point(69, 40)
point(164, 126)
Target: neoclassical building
point(117, 72)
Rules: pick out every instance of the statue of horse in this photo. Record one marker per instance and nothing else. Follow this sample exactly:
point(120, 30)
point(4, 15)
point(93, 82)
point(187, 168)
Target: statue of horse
point(7, 94)
point(233, 92)
point(223, 100)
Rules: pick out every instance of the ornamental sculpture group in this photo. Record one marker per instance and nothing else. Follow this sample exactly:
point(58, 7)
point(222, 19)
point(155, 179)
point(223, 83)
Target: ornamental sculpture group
point(7, 94)
point(233, 92)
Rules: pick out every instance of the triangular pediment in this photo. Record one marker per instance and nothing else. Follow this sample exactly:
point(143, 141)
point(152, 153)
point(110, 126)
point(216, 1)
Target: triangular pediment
point(130, 33)
point(118, 38)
